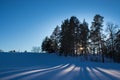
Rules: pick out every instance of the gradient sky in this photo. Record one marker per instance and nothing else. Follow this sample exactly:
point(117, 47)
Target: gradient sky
point(25, 23)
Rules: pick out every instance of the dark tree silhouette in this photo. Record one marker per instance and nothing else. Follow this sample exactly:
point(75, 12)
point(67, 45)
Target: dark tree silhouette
point(47, 45)
point(117, 46)
point(75, 38)
point(95, 33)
point(74, 24)
point(84, 33)
point(55, 37)
point(111, 29)
point(44, 44)
point(68, 36)
point(64, 38)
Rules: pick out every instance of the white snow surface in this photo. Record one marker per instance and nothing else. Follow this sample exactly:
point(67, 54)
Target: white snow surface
point(44, 66)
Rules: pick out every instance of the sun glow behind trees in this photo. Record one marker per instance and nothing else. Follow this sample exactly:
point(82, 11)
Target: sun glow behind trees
point(75, 38)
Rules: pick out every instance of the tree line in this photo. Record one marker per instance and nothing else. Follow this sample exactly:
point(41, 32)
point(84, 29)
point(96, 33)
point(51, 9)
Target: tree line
point(75, 38)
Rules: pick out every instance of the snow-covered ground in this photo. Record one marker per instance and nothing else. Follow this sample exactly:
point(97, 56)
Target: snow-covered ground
point(33, 66)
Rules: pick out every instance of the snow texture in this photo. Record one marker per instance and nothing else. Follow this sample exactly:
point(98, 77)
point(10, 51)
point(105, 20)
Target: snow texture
point(34, 66)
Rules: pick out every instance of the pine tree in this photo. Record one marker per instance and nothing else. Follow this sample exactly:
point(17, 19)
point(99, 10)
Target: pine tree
point(117, 46)
point(84, 35)
point(95, 33)
point(117, 42)
point(68, 36)
point(55, 37)
point(63, 38)
point(44, 44)
point(74, 24)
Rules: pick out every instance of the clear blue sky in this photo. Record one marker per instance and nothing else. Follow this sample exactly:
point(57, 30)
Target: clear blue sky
point(25, 23)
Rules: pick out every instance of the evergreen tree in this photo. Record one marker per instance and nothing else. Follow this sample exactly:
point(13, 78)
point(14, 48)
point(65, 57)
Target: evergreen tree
point(44, 44)
point(64, 38)
point(117, 42)
point(48, 45)
point(68, 36)
point(81, 40)
point(74, 24)
point(84, 35)
point(95, 33)
point(117, 46)
point(55, 37)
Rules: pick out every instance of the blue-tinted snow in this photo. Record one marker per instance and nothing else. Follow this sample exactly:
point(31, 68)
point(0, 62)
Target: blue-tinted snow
point(43, 66)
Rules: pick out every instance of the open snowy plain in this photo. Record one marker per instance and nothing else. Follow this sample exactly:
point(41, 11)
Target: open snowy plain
point(38, 66)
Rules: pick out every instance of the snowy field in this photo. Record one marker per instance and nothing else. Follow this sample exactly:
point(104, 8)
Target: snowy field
point(33, 66)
